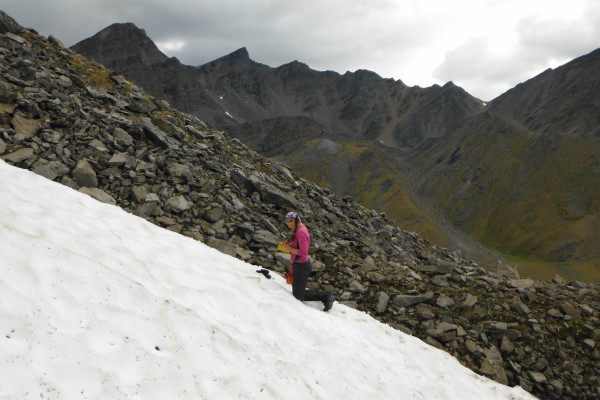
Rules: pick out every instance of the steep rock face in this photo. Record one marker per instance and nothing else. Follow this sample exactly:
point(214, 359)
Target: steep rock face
point(74, 122)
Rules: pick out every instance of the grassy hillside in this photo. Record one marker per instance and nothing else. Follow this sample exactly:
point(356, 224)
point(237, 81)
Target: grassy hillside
point(535, 198)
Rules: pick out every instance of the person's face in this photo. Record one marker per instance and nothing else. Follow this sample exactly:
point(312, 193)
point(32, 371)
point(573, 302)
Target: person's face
point(290, 224)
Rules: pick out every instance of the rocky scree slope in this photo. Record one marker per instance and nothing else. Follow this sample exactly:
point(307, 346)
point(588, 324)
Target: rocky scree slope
point(77, 123)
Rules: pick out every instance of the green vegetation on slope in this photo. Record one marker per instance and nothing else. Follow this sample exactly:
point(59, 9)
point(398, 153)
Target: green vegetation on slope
point(535, 198)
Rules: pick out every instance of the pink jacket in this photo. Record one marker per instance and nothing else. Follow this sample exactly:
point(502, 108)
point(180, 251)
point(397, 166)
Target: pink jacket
point(301, 241)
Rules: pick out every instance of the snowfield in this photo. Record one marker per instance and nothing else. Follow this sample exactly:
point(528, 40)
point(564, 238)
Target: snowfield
point(96, 303)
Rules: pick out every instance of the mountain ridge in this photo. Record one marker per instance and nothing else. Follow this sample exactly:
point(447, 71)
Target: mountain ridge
point(338, 94)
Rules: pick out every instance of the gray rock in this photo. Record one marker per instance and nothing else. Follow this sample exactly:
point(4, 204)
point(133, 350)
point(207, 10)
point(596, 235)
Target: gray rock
point(469, 301)
point(8, 24)
point(537, 377)
point(99, 195)
point(521, 283)
point(444, 301)
point(509, 271)
point(425, 311)
point(122, 137)
point(180, 171)
point(443, 332)
point(376, 277)
point(177, 204)
point(19, 155)
point(214, 214)
point(264, 237)
point(356, 287)
point(271, 194)
point(440, 281)
point(589, 344)
point(268, 193)
point(570, 310)
point(382, 302)
point(559, 280)
point(118, 159)
point(169, 128)
point(139, 194)
point(45, 171)
point(553, 312)
point(25, 126)
point(368, 265)
point(142, 107)
point(523, 309)
point(506, 345)
point(192, 129)
point(98, 145)
point(152, 198)
point(159, 137)
point(492, 365)
point(53, 39)
point(85, 175)
point(59, 168)
point(51, 136)
point(587, 310)
point(407, 300)
point(433, 269)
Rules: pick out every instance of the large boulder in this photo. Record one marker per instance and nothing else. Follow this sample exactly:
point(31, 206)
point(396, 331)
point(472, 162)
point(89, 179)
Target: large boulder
point(8, 24)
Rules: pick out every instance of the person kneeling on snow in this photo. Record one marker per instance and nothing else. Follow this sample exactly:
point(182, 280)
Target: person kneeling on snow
point(301, 266)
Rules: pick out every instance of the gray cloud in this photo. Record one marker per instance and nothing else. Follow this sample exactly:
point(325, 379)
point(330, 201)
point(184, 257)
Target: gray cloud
point(419, 42)
point(540, 43)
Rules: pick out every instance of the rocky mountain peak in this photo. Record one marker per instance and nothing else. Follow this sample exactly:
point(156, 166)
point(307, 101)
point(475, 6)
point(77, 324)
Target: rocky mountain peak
point(121, 43)
point(240, 56)
point(294, 70)
point(122, 30)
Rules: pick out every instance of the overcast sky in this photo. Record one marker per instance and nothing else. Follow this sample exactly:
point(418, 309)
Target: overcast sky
point(484, 46)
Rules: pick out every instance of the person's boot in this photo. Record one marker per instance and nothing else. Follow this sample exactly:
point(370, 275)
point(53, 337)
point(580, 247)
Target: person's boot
point(324, 297)
point(329, 302)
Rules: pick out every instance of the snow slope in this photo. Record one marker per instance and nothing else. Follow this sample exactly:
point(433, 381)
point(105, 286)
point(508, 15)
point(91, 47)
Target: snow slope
point(96, 303)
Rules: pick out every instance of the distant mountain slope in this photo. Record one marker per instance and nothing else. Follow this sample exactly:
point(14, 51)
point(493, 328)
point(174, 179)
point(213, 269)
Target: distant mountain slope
point(524, 177)
point(534, 195)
